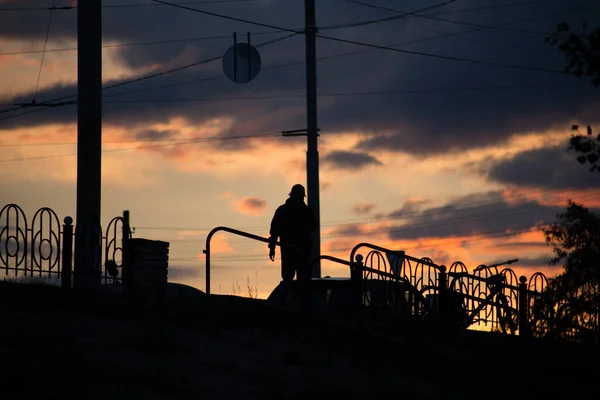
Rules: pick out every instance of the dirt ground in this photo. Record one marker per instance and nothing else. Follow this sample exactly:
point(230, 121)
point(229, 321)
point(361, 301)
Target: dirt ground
point(66, 344)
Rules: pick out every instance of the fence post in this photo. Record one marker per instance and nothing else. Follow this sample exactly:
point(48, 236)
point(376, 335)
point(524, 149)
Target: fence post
point(442, 301)
point(126, 227)
point(523, 307)
point(356, 275)
point(67, 253)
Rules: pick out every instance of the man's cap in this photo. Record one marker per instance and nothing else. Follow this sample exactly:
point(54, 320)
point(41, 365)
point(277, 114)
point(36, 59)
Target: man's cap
point(298, 191)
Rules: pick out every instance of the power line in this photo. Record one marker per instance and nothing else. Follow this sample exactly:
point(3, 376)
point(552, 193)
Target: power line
point(52, 102)
point(294, 96)
point(371, 48)
point(341, 94)
point(37, 85)
point(131, 44)
point(374, 46)
point(396, 17)
point(188, 141)
point(205, 2)
point(417, 15)
point(451, 222)
point(330, 57)
point(437, 212)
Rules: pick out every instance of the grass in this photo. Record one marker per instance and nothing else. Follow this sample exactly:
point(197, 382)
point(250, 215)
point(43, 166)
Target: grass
point(33, 280)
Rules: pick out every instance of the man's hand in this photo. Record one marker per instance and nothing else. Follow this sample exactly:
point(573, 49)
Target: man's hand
point(272, 254)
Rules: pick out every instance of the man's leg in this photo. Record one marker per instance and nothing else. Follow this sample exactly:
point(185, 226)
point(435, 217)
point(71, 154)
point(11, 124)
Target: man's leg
point(288, 270)
point(304, 282)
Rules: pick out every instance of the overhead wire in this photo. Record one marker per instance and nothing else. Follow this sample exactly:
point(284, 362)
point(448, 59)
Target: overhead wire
point(53, 102)
point(183, 40)
point(183, 141)
point(434, 213)
point(133, 44)
point(324, 58)
point(37, 85)
point(380, 20)
point(374, 46)
point(131, 5)
point(288, 64)
point(416, 14)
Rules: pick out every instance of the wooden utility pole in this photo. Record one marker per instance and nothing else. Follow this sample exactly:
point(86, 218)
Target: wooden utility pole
point(312, 154)
point(88, 234)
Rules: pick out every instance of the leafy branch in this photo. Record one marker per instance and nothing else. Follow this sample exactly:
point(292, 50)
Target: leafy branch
point(587, 145)
point(582, 51)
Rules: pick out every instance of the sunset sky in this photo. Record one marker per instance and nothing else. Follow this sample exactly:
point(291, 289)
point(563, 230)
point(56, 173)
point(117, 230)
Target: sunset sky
point(455, 149)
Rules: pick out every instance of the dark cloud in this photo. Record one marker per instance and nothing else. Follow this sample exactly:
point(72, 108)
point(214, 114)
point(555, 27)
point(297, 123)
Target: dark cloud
point(429, 117)
point(526, 262)
point(250, 205)
point(350, 160)
point(347, 230)
point(178, 273)
point(254, 203)
point(552, 168)
point(363, 208)
point(154, 134)
point(522, 245)
point(409, 207)
point(488, 214)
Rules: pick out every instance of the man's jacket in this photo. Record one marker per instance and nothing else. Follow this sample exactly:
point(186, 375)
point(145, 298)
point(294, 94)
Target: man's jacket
point(292, 224)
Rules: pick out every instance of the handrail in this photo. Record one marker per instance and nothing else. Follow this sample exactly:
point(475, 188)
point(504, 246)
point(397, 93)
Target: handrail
point(330, 258)
point(401, 253)
point(239, 233)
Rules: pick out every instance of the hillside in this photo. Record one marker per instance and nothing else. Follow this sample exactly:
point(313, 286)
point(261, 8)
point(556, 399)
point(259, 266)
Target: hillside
point(69, 344)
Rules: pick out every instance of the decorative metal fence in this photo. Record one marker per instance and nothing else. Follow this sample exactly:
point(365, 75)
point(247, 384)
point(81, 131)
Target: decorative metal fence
point(43, 248)
point(489, 297)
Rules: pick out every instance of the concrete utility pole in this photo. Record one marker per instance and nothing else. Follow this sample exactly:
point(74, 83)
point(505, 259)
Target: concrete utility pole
point(89, 143)
point(312, 154)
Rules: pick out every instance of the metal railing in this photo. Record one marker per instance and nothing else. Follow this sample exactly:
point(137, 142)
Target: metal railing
point(43, 248)
point(248, 235)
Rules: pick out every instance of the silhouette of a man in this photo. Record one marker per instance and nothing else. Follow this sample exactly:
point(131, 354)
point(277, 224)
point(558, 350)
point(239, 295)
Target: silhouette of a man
point(292, 224)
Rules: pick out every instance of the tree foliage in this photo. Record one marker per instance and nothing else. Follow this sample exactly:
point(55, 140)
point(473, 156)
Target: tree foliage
point(569, 306)
point(582, 51)
point(587, 145)
point(583, 59)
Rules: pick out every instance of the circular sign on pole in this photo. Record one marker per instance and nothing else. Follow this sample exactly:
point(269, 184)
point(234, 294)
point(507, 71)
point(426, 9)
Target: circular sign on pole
point(241, 63)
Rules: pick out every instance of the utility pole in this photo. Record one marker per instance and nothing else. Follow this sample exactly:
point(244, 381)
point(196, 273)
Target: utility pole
point(88, 234)
point(312, 153)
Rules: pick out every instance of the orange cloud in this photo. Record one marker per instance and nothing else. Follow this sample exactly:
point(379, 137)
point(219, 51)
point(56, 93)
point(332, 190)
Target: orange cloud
point(219, 244)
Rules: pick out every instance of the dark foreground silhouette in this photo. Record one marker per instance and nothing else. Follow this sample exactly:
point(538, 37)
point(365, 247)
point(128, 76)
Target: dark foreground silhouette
point(66, 344)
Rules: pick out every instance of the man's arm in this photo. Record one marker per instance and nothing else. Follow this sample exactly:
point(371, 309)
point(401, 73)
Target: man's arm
point(274, 234)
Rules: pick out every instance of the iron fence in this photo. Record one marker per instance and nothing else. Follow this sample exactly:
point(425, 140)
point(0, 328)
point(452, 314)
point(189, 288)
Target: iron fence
point(43, 247)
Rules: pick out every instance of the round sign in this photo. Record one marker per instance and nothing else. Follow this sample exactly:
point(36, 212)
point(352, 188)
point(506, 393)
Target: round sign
point(241, 63)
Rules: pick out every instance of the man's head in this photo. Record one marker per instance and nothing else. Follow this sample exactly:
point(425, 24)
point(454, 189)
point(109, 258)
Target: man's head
point(298, 192)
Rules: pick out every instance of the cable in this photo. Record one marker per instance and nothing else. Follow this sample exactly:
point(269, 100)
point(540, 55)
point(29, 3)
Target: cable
point(451, 222)
point(131, 44)
point(408, 215)
point(490, 7)
point(343, 94)
point(501, 233)
point(330, 57)
point(346, 94)
point(188, 141)
point(49, 103)
point(374, 46)
point(415, 14)
point(302, 62)
point(37, 85)
point(375, 21)
point(122, 5)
